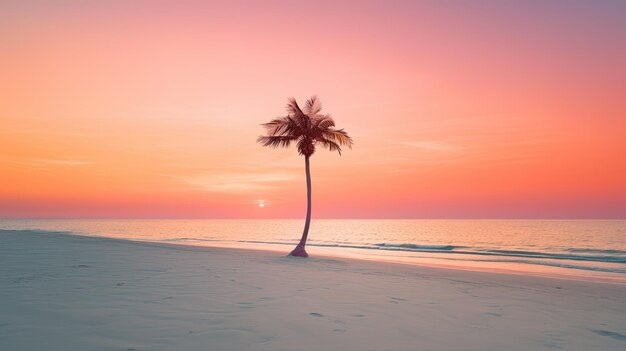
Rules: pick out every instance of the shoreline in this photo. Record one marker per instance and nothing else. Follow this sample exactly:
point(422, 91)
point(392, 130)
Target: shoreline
point(325, 252)
point(516, 247)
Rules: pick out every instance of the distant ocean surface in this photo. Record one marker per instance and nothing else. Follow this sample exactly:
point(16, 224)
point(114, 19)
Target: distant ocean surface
point(575, 248)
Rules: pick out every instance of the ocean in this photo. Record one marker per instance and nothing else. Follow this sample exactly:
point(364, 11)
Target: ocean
point(592, 249)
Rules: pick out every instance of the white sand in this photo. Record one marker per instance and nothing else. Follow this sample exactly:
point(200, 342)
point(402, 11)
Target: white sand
point(62, 292)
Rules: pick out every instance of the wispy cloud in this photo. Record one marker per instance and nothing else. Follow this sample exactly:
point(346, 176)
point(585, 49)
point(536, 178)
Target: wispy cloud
point(437, 155)
point(433, 145)
point(42, 163)
point(62, 162)
point(235, 182)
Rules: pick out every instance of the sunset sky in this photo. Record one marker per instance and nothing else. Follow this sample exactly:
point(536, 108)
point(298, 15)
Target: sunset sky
point(458, 109)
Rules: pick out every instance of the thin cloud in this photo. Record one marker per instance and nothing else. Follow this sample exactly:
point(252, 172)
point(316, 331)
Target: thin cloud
point(432, 145)
point(65, 162)
point(235, 182)
point(42, 163)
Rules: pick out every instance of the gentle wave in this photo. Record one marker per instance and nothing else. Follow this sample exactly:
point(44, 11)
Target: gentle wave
point(350, 246)
point(419, 247)
point(551, 264)
point(470, 251)
point(607, 251)
point(551, 255)
point(186, 239)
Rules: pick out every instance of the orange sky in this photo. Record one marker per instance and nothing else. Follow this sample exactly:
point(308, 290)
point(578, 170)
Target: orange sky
point(457, 109)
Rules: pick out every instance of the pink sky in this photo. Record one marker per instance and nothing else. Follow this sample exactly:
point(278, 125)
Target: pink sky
point(458, 109)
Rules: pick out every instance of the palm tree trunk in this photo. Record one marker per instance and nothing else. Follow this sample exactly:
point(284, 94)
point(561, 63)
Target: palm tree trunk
point(299, 250)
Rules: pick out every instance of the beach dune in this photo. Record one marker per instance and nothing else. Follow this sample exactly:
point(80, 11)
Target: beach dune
point(68, 292)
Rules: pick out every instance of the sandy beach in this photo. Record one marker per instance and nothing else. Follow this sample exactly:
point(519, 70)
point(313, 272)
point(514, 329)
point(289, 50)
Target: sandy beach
point(66, 292)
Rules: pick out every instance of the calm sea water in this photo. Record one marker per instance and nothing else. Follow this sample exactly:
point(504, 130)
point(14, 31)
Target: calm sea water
point(577, 248)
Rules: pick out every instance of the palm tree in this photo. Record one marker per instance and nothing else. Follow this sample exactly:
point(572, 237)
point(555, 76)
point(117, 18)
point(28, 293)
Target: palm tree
point(306, 128)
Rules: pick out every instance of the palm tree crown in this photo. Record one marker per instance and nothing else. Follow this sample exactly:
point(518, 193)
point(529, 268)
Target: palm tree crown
point(305, 127)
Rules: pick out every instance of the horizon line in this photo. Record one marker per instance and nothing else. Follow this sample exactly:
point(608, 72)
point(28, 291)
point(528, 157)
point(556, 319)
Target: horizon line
point(331, 218)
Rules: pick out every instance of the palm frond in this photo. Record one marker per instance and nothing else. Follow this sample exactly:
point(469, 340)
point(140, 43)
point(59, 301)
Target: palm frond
point(330, 145)
point(293, 108)
point(302, 122)
point(276, 125)
point(313, 106)
point(275, 141)
point(339, 136)
point(323, 122)
point(287, 126)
